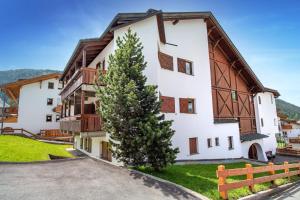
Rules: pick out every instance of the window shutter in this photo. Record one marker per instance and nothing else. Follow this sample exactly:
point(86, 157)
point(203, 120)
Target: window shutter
point(183, 105)
point(181, 65)
point(167, 104)
point(165, 60)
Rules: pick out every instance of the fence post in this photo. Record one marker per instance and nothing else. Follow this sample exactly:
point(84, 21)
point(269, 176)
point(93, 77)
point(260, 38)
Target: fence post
point(250, 176)
point(272, 171)
point(286, 169)
point(222, 181)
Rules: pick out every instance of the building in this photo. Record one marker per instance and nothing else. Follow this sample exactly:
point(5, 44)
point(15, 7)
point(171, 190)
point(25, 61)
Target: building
point(205, 85)
point(289, 128)
point(32, 103)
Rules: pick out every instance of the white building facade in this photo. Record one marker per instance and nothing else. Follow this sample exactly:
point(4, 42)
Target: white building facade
point(176, 48)
point(35, 101)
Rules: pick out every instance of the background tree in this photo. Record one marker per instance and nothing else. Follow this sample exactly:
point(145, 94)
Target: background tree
point(130, 109)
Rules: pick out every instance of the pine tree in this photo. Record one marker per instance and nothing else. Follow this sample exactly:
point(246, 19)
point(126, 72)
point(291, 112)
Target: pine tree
point(130, 109)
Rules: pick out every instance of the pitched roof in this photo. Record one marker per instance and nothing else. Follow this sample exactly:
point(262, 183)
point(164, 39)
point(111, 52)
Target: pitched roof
point(250, 137)
point(13, 89)
point(275, 92)
point(215, 31)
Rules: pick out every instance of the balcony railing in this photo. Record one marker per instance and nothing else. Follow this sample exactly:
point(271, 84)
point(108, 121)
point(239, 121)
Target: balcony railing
point(82, 76)
point(81, 123)
point(287, 126)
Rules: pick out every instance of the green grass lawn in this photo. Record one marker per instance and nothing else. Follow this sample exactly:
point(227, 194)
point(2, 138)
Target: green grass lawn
point(20, 149)
point(202, 178)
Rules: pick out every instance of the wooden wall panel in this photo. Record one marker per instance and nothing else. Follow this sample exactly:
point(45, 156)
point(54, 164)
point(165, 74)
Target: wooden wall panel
point(226, 77)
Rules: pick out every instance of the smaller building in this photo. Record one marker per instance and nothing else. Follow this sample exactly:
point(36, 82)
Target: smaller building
point(33, 103)
point(289, 128)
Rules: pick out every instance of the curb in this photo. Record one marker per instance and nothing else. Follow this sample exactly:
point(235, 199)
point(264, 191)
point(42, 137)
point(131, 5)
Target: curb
point(191, 192)
point(42, 161)
point(266, 193)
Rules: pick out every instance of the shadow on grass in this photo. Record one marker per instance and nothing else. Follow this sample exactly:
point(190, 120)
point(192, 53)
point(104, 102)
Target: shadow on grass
point(165, 188)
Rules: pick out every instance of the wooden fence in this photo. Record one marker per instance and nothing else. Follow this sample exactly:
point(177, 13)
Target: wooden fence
point(249, 171)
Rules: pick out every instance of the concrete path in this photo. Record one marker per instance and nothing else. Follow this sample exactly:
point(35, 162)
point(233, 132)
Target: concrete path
point(292, 193)
point(81, 179)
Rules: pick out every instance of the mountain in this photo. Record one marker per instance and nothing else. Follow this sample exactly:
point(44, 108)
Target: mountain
point(13, 75)
point(291, 110)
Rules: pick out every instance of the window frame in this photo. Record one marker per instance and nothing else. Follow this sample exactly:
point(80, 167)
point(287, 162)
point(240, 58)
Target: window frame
point(50, 101)
point(234, 94)
point(217, 141)
point(192, 101)
point(50, 87)
point(209, 143)
point(49, 115)
point(230, 143)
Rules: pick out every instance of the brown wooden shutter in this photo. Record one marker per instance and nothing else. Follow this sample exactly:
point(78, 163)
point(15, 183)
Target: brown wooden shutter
point(165, 60)
point(193, 145)
point(167, 104)
point(181, 65)
point(183, 103)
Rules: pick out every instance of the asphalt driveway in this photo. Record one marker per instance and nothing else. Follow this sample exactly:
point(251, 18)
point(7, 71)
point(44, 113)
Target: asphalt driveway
point(81, 179)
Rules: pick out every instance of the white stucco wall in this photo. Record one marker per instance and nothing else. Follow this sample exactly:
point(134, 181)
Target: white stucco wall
point(266, 110)
point(185, 35)
point(33, 108)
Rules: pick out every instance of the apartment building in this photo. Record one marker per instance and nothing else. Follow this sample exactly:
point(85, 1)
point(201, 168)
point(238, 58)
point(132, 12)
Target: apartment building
point(205, 85)
point(32, 103)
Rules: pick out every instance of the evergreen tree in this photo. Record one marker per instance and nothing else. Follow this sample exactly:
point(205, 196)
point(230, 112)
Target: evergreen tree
point(130, 109)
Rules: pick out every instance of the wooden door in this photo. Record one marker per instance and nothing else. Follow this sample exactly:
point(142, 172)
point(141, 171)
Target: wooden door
point(106, 153)
point(252, 152)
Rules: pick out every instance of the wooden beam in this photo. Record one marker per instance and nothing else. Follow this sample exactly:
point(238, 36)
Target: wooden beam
point(83, 58)
point(82, 101)
point(210, 30)
point(161, 28)
point(11, 94)
point(175, 21)
point(217, 42)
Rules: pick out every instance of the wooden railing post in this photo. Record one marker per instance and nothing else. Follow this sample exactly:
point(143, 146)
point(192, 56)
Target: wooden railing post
point(222, 181)
point(272, 171)
point(250, 176)
point(286, 169)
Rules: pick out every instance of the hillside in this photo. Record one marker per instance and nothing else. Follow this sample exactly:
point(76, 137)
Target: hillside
point(292, 111)
point(13, 75)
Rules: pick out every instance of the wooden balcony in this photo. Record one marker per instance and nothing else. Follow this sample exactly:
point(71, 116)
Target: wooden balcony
point(82, 76)
point(81, 123)
point(287, 126)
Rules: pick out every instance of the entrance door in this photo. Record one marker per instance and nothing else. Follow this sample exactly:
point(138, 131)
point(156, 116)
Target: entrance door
point(106, 153)
point(252, 152)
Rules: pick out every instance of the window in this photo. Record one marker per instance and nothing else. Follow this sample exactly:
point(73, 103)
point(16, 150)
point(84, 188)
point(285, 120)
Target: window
point(188, 68)
point(81, 143)
point(234, 95)
point(60, 85)
point(259, 100)
point(193, 146)
point(98, 65)
point(50, 85)
point(49, 101)
point(262, 122)
point(209, 143)
point(48, 118)
point(230, 142)
point(57, 118)
point(191, 106)
point(185, 66)
point(217, 142)
point(187, 105)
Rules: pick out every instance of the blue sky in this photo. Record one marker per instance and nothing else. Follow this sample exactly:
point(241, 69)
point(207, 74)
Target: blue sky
point(43, 33)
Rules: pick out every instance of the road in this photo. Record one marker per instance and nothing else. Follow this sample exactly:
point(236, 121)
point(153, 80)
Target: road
point(292, 193)
point(81, 179)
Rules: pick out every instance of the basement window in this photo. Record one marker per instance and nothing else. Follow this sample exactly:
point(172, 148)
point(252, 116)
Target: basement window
point(209, 142)
point(48, 118)
point(230, 142)
point(217, 142)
